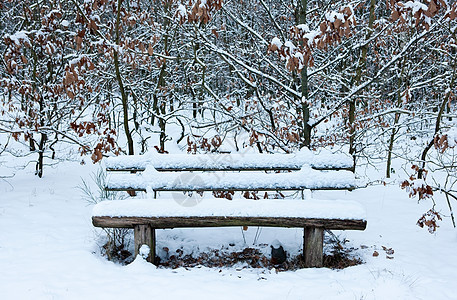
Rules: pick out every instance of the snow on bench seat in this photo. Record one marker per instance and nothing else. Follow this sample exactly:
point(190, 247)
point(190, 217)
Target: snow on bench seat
point(306, 178)
point(218, 162)
point(167, 213)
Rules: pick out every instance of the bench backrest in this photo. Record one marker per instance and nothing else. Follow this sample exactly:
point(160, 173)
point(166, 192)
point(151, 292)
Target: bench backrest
point(178, 172)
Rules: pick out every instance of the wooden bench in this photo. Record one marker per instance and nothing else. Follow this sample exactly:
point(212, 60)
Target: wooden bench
point(177, 173)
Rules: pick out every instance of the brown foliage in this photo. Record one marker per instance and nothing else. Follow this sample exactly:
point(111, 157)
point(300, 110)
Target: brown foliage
point(224, 194)
point(422, 190)
point(429, 219)
point(331, 31)
point(401, 12)
point(253, 258)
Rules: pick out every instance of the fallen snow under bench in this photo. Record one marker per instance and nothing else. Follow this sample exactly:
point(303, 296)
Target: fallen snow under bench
point(329, 214)
point(306, 178)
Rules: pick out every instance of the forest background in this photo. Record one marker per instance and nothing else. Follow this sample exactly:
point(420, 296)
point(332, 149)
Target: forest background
point(375, 79)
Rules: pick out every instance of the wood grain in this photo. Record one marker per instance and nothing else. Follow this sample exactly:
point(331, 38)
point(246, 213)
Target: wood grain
point(223, 168)
point(145, 235)
point(313, 244)
point(211, 221)
point(230, 188)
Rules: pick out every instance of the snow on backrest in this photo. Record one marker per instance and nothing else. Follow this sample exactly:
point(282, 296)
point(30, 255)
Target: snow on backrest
point(306, 178)
point(323, 160)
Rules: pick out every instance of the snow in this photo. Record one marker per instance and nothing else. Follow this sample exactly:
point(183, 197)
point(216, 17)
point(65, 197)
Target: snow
point(324, 159)
point(333, 15)
point(19, 37)
point(289, 45)
point(50, 250)
point(299, 56)
point(277, 42)
point(311, 209)
point(76, 60)
point(452, 137)
point(311, 36)
point(415, 6)
point(181, 11)
point(306, 178)
point(303, 27)
point(144, 251)
point(276, 244)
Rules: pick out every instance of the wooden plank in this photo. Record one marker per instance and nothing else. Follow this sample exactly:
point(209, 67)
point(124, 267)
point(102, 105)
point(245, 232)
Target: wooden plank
point(145, 235)
point(313, 243)
point(212, 221)
point(232, 188)
point(233, 161)
point(222, 168)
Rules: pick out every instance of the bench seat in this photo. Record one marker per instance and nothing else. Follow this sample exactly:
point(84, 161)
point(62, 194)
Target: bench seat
point(167, 213)
point(331, 214)
point(146, 215)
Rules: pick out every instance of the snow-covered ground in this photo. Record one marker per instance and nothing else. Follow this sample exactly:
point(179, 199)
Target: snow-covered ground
point(50, 250)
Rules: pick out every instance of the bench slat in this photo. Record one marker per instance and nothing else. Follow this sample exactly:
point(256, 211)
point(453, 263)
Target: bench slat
point(188, 222)
point(306, 178)
point(172, 213)
point(234, 189)
point(230, 162)
point(223, 168)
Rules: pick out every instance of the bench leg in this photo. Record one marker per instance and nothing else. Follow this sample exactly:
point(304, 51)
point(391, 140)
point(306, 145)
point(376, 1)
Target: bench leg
point(313, 247)
point(145, 235)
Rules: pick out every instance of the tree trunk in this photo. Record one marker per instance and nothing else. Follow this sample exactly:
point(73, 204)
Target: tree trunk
point(361, 66)
point(442, 107)
point(396, 120)
point(302, 10)
point(40, 162)
point(124, 96)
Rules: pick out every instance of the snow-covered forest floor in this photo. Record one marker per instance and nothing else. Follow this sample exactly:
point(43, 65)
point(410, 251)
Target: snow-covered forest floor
point(50, 250)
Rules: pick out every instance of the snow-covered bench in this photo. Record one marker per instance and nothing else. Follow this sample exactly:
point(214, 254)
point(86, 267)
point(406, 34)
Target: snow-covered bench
point(146, 215)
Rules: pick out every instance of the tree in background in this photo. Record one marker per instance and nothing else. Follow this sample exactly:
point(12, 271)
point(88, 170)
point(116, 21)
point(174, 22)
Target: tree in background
point(37, 104)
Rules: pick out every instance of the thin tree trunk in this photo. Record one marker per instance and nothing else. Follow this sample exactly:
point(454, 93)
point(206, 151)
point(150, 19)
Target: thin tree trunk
point(41, 148)
point(361, 66)
point(124, 96)
point(159, 107)
point(396, 120)
point(442, 107)
point(304, 84)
